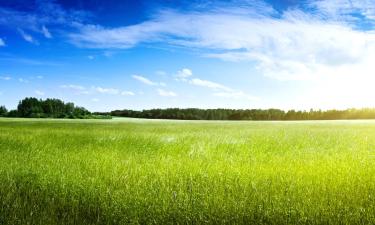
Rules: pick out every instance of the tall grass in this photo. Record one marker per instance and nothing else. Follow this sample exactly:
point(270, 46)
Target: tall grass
point(155, 172)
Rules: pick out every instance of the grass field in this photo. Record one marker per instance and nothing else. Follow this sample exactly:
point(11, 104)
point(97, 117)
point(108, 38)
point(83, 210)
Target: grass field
point(171, 172)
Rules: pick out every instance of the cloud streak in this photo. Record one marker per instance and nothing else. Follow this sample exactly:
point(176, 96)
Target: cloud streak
point(111, 91)
point(46, 32)
point(78, 89)
point(39, 93)
point(73, 87)
point(294, 45)
point(127, 93)
point(144, 80)
point(27, 37)
point(6, 78)
point(147, 81)
point(220, 90)
point(166, 93)
point(209, 84)
point(183, 74)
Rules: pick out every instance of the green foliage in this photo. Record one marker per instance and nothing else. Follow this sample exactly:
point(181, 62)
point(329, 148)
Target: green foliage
point(3, 111)
point(50, 108)
point(246, 114)
point(30, 107)
point(12, 113)
point(173, 172)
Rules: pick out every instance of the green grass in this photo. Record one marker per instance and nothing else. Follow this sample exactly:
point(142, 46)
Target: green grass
point(170, 172)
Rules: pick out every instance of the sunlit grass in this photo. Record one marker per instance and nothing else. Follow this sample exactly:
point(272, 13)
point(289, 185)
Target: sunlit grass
point(141, 171)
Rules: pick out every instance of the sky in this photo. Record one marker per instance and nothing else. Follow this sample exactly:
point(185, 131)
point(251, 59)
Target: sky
point(129, 54)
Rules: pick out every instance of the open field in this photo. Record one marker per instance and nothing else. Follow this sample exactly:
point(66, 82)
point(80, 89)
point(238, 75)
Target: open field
point(178, 172)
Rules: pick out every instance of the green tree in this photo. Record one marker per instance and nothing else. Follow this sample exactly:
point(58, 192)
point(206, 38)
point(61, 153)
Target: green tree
point(30, 107)
point(3, 111)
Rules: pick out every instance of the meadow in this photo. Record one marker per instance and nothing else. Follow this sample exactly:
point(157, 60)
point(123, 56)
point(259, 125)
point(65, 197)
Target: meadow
point(135, 171)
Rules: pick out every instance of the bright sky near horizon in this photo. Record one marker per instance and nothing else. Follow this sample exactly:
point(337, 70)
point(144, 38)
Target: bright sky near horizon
point(116, 54)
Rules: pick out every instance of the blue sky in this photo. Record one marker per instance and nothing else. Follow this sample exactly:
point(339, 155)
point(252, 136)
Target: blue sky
point(107, 55)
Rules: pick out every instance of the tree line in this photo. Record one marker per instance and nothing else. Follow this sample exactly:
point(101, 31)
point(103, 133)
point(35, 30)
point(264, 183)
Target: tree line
point(246, 114)
point(49, 108)
point(56, 108)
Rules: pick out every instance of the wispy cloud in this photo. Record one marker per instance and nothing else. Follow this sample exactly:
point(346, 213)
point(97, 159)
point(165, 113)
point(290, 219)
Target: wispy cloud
point(2, 42)
point(5, 78)
point(23, 80)
point(73, 87)
point(38, 92)
point(345, 9)
point(27, 37)
point(183, 74)
point(220, 90)
point(294, 45)
point(144, 80)
point(46, 32)
point(166, 93)
point(209, 84)
point(111, 91)
point(127, 93)
point(40, 14)
point(78, 89)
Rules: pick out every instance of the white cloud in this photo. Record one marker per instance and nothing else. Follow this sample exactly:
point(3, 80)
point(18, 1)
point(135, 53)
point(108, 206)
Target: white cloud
point(91, 57)
point(184, 73)
point(111, 91)
point(27, 37)
point(77, 89)
point(46, 32)
point(2, 42)
point(209, 84)
point(345, 9)
point(73, 87)
point(95, 100)
point(39, 77)
point(222, 90)
point(145, 80)
point(127, 93)
point(94, 90)
point(5, 78)
point(22, 80)
point(332, 44)
point(38, 92)
point(44, 13)
point(295, 45)
point(166, 93)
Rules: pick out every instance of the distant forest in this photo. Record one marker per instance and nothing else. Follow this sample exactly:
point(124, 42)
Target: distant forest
point(49, 108)
point(56, 108)
point(247, 114)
